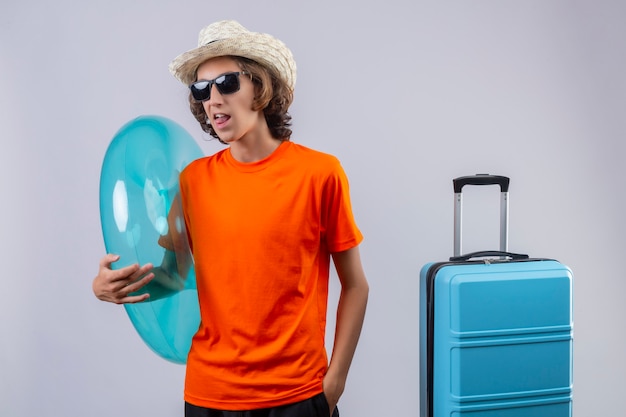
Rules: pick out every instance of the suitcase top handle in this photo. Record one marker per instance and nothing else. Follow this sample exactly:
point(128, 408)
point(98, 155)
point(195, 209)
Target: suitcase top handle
point(489, 254)
point(481, 179)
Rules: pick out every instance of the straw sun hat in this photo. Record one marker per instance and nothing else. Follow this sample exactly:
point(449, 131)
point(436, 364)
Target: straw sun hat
point(230, 38)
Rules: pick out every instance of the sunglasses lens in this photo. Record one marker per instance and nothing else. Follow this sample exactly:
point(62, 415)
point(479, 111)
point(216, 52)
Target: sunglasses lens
point(228, 83)
point(201, 90)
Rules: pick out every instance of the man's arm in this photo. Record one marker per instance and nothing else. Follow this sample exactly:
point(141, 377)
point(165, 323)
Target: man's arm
point(350, 316)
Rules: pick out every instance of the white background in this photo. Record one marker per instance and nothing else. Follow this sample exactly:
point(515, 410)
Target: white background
point(408, 94)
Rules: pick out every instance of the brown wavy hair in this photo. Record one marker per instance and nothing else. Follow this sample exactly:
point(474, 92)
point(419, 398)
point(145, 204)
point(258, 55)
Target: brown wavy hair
point(271, 94)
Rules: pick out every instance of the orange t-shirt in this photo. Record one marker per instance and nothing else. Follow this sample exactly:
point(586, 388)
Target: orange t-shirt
point(261, 236)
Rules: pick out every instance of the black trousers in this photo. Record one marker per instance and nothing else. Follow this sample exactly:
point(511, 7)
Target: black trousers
point(313, 407)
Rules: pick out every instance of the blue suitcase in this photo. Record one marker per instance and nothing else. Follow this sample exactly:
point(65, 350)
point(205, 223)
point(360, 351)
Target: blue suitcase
point(495, 329)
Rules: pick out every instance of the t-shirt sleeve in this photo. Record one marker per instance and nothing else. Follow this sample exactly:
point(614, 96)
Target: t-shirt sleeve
point(183, 185)
point(340, 230)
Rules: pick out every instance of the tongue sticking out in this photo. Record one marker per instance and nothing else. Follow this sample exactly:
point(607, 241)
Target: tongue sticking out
point(221, 120)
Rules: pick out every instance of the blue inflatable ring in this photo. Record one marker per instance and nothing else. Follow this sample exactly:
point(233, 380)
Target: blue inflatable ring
point(140, 214)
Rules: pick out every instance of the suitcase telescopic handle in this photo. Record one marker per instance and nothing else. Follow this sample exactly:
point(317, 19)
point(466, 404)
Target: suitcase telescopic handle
point(481, 179)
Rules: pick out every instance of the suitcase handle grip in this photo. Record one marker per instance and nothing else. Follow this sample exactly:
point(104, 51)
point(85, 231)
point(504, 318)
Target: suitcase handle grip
point(489, 253)
point(481, 179)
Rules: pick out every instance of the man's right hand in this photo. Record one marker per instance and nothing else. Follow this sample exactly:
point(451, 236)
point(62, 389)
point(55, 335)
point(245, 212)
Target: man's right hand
point(115, 285)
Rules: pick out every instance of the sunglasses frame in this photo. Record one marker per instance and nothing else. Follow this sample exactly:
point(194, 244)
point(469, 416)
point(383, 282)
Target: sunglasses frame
point(218, 84)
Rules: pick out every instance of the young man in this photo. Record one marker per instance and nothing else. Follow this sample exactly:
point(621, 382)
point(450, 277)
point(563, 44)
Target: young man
point(264, 217)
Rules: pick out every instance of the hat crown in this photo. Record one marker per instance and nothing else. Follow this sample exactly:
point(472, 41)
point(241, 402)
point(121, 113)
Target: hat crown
point(230, 38)
point(221, 30)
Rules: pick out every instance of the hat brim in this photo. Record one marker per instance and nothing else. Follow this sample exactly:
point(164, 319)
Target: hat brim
point(258, 47)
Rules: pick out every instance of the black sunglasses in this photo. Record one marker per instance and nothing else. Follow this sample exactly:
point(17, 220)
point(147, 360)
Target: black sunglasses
point(226, 84)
